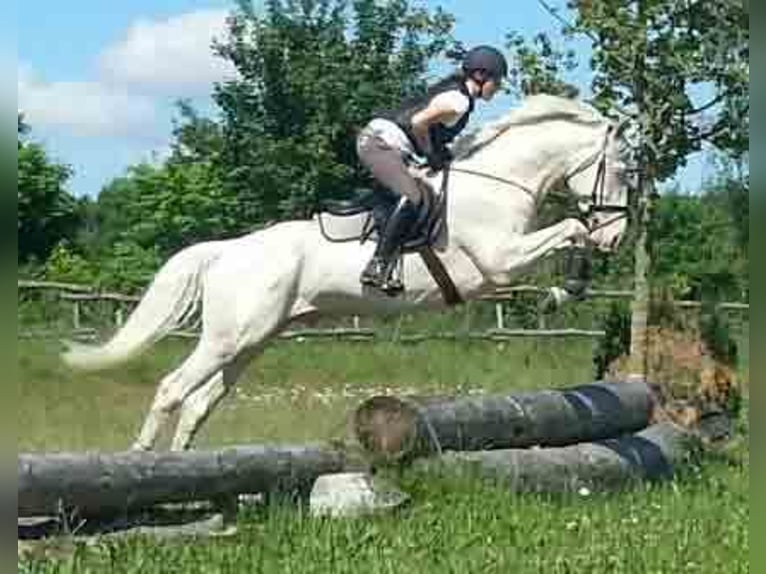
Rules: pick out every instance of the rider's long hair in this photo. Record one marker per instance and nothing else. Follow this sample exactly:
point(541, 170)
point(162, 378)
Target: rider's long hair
point(456, 77)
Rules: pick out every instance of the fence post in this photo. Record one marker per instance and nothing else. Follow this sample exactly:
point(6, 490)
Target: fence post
point(76, 314)
point(467, 318)
point(499, 315)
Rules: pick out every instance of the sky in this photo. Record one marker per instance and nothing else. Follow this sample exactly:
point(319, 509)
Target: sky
point(98, 81)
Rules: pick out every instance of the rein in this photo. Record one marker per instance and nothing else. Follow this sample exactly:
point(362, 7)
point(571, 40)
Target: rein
point(598, 195)
point(497, 178)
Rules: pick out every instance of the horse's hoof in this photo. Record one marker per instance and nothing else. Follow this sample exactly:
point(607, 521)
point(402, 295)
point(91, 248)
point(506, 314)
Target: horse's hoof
point(369, 280)
point(392, 289)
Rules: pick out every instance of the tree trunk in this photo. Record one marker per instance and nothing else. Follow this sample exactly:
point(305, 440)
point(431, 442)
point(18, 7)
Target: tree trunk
point(639, 319)
point(652, 454)
point(397, 429)
point(95, 484)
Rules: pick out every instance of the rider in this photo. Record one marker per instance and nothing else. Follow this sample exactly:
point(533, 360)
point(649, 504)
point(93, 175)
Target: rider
point(417, 133)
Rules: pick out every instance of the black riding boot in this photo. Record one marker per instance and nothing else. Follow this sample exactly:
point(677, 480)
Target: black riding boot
point(579, 272)
point(379, 271)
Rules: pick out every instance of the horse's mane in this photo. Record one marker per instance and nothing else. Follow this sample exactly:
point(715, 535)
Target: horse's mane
point(534, 110)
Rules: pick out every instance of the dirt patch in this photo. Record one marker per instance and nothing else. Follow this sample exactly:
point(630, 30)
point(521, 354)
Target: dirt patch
point(692, 385)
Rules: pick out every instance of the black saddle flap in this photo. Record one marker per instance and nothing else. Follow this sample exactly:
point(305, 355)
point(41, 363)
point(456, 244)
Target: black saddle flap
point(365, 199)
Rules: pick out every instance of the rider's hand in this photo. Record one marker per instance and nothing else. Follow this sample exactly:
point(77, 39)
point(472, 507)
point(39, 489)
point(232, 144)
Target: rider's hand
point(436, 161)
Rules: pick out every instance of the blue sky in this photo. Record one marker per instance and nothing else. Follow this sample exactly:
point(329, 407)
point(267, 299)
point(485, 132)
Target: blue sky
point(98, 80)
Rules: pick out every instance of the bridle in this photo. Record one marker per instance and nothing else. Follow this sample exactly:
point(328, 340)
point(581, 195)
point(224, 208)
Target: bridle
point(597, 204)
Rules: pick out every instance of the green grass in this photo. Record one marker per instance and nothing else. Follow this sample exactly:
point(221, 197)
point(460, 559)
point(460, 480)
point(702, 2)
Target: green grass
point(294, 392)
point(698, 523)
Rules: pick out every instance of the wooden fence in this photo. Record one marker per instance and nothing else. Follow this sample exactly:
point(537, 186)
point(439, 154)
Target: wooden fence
point(80, 295)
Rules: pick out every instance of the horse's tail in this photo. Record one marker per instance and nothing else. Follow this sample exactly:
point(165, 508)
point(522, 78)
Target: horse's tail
point(170, 302)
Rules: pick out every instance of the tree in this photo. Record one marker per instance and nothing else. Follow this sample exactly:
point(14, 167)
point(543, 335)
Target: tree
point(310, 74)
point(166, 207)
point(196, 138)
point(649, 57)
point(23, 127)
point(695, 250)
point(537, 67)
point(734, 192)
point(47, 212)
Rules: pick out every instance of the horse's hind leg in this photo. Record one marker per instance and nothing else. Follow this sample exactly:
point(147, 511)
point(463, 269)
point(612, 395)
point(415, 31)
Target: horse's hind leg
point(203, 363)
point(198, 406)
point(237, 319)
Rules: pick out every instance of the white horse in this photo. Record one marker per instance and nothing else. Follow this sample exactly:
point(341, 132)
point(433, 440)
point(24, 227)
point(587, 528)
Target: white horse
point(250, 288)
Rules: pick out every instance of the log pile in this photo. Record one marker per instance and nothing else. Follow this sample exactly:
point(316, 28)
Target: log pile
point(650, 455)
point(400, 429)
point(98, 484)
point(596, 437)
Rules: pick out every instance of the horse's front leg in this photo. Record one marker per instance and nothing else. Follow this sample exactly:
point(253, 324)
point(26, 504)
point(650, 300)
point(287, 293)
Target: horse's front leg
point(500, 259)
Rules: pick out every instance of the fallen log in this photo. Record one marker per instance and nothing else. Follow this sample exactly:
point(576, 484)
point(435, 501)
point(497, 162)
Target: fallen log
point(97, 484)
point(398, 429)
point(652, 454)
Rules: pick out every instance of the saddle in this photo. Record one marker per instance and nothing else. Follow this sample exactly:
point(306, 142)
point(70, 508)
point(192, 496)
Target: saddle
point(378, 202)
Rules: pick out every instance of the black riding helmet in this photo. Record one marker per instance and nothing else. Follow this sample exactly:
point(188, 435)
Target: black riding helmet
point(487, 59)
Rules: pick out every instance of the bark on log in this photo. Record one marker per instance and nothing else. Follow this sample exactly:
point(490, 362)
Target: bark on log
point(95, 484)
point(652, 455)
point(392, 428)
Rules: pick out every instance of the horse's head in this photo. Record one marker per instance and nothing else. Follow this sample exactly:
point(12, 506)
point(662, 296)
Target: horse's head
point(600, 183)
point(549, 141)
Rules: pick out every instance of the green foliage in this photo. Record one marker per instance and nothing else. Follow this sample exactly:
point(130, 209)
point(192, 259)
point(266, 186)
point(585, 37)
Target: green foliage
point(301, 391)
point(47, 213)
point(311, 74)
point(717, 335)
point(162, 207)
point(197, 138)
point(650, 56)
point(652, 59)
point(125, 267)
point(537, 66)
point(695, 248)
point(23, 127)
point(128, 267)
point(733, 192)
point(67, 265)
point(616, 343)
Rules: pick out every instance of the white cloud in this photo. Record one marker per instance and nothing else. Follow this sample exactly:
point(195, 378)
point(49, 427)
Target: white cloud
point(172, 56)
point(136, 77)
point(84, 108)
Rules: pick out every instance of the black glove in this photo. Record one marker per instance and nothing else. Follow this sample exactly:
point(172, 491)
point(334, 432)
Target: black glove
point(438, 159)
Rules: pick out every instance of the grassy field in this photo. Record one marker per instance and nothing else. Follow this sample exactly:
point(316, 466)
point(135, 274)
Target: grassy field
point(304, 391)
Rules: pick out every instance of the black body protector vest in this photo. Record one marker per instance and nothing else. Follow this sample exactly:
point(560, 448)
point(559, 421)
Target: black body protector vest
point(439, 133)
